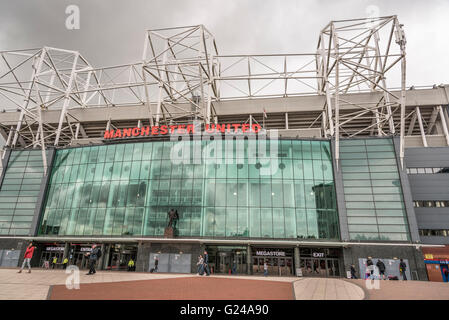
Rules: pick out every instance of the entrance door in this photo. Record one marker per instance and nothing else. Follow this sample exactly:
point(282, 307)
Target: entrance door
point(333, 268)
point(320, 267)
point(285, 266)
point(224, 261)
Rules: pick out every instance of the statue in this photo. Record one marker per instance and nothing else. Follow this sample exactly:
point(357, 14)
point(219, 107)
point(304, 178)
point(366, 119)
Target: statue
point(173, 217)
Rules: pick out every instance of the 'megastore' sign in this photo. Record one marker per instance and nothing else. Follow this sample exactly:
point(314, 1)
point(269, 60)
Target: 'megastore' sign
point(180, 129)
point(267, 253)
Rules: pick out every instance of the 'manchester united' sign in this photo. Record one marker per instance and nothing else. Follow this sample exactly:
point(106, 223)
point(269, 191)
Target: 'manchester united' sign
point(180, 129)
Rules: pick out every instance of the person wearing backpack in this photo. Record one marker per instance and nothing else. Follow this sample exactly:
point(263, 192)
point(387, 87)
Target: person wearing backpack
point(94, 255)
point(369, 268)
point(402, 269)
point(446, 274)
point(381, 266)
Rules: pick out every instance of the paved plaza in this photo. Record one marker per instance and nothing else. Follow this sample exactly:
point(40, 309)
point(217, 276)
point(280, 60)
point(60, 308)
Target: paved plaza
point(50, 284)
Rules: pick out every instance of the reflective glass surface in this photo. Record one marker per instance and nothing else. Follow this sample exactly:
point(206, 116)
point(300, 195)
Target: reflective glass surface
point(19, 191)
point(372, 189)
point(127, 189)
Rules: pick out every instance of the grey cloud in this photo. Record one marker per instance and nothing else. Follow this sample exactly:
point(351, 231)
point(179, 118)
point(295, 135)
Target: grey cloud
point(112, 31)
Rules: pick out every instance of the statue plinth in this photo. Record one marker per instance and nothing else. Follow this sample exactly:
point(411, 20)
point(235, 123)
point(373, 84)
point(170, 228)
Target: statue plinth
point(168, 233)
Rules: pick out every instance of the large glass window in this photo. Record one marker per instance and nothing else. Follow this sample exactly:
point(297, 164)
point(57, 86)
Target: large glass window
point(373, 190)
point(20, 189)
point(127, 189)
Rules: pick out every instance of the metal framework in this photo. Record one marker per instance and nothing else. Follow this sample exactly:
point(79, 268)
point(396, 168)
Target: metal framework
point(182, 78)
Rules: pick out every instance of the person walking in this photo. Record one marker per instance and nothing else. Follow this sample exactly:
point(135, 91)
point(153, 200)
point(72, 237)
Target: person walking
point(200, 265)
point(234, 267)
point(64, 262)
point(369, 268)
point(381, 266)
point(353, 272)
point(265, 269)
point(94, 255)
point(206, 263)
point(402, 269)
point(156, 263)
point(54, 262)
point(446, 274)
point(130, 264)
point(27, 257)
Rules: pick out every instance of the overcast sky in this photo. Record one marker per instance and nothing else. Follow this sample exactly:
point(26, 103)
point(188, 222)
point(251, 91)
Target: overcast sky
point(112, 32)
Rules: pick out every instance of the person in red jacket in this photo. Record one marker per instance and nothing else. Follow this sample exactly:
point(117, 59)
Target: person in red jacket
point(27, 257)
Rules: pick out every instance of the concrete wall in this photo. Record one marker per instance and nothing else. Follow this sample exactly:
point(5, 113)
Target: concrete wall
point(145, 248)
point(430, 187)
point(352, 254)
point(20, 245)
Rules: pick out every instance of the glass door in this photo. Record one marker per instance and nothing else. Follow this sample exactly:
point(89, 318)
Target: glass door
point(323, 271)
point(289, 266)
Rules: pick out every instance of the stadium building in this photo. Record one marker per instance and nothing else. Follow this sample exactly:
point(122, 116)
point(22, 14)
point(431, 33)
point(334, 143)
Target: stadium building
point(311, 162)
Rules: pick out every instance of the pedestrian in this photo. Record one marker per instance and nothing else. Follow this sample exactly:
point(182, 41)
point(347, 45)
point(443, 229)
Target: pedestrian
point(54, 262)
point(234, 267)
point(156, 263)
point(369, 268)
point(94, 255)
point(130, 264)
point(27, 257)
point(206, 263)
point(446, 274)
point(403, 269)
point(381, 266)
point(200, 265)
point(353, 276)
point(265, 269)
point(64, 262)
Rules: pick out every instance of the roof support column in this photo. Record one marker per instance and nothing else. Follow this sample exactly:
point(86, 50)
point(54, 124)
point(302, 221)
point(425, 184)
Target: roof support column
point(421, 127)
point(337, 100)
point(444, 124)
point(66, 99)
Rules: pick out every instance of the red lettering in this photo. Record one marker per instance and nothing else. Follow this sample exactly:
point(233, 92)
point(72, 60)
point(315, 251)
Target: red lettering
point(256, 128)
point(154, 130)
point(181, 129)
point(220, 127)
point(127, 132)
point(118, 134)
point(145, 131)
point(236, 126)
point(172, 129)
point(229, 128)
point(209, 128)
point(190, 128)
point(109, 134)
point(136, 131)
point(245, 127)
point(164, 129)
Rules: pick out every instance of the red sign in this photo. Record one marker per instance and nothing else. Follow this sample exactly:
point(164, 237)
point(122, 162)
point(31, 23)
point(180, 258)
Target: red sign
point(179, 129)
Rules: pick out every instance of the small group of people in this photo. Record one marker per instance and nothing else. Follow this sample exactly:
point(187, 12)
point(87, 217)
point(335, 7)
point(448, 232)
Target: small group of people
point(54, 262)
point(29, 255)
point(381, 268)
point(203, 264)
point(94, 255)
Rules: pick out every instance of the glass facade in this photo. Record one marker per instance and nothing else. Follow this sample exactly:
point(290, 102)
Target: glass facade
point(372, 189)
point(127, 189)
point(19, 191)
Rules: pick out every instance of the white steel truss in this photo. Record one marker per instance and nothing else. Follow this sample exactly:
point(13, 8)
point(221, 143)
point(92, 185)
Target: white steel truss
point(182, 78)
